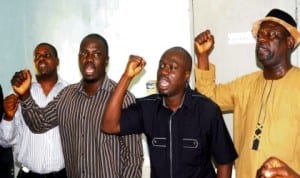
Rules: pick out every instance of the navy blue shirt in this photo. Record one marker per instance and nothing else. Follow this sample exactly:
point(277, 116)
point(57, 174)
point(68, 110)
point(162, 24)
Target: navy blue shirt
point(182, 143)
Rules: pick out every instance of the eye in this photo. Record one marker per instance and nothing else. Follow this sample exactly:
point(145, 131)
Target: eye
point(270, 34)
point(97, 54)
point(37, 56)
point(82, 53)
point(273, 34)
point(261, 33)
point(173, 67)
point(47, 55)
point(161, 66)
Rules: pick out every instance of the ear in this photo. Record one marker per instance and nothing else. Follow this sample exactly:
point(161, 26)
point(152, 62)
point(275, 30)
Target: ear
point(187, 75)
point(290, 42)
point(57, 61)
point(107, 60)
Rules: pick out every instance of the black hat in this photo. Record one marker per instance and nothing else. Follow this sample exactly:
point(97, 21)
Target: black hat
point(284, 19)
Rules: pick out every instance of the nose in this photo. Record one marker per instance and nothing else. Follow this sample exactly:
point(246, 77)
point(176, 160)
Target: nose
point(89, 57)
point(165, 70)
point(261, 37)
point(39, 58)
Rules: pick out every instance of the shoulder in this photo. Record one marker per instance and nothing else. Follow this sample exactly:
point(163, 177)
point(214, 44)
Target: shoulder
point(206, 110)
point(200, 99)
point(253, 76)
point(150, 99)
point(71, 88)
point(296, 70)
point(62, 81)
point(202, 105)
point(111, 85)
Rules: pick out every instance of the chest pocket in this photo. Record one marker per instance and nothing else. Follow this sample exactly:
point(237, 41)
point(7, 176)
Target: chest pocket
point(159, 153)
point(190, 143)
point(192, 151)
point(159, 142)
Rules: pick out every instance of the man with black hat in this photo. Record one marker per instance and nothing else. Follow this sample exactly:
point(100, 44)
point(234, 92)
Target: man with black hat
point(265, 103)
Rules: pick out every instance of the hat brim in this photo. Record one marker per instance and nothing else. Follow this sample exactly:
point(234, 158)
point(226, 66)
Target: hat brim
point(293, 31)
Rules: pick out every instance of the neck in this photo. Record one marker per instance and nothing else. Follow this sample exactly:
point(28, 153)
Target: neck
point(47, 82)
point(174, 102)
point(91, 87)
point(276, 73)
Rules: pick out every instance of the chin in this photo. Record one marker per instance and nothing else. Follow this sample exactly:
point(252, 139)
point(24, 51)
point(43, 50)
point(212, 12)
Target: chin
point(163, 93)
point(89, 79)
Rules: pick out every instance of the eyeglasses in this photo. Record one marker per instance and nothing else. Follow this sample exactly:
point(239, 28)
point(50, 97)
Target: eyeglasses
point(271, 34)
point(39, 56)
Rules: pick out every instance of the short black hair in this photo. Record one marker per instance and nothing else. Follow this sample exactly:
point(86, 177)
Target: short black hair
point(51, 46)
point(188, 57)
point(99, 37)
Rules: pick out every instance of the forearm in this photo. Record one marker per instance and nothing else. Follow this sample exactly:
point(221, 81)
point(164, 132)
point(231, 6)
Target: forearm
point(205, 81)
point(224, 171)
point(112, 113)
point(39, 120)
point(203, 61)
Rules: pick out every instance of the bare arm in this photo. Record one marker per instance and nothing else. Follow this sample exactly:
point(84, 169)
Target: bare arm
point(204, 43)
point(111, 117)
point(224, 171)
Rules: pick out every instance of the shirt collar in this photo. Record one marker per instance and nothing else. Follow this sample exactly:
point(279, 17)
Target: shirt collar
point(60, 81)
point(186, 101)
point(104, 86)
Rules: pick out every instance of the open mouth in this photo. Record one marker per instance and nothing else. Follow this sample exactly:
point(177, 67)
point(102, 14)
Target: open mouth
point(89, 68)
point(42, 64)
point(164, 83)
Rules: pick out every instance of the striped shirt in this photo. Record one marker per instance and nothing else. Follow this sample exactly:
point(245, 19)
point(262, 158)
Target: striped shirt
point(41, 153)
point(88, 152)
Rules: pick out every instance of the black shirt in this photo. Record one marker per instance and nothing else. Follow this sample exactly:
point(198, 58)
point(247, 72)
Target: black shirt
point(182, 143)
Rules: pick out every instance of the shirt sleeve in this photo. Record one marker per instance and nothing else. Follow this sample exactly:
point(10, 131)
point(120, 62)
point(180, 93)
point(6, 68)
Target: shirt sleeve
point(222, 94)
point(10, 130)
point(39, 120)
point(131, 121)
point(222, 146)
point(8, 133)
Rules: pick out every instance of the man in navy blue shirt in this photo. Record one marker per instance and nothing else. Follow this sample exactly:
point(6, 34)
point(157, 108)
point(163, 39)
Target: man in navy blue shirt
point(184, 129)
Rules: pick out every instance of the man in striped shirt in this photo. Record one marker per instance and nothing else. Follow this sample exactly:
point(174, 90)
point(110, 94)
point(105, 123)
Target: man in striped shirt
point(39, 155)
point(78, 111)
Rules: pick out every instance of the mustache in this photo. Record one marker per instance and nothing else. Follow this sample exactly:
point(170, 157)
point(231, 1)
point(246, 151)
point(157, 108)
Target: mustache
point(162, 77)
point(88, 63)
point(262, 45)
